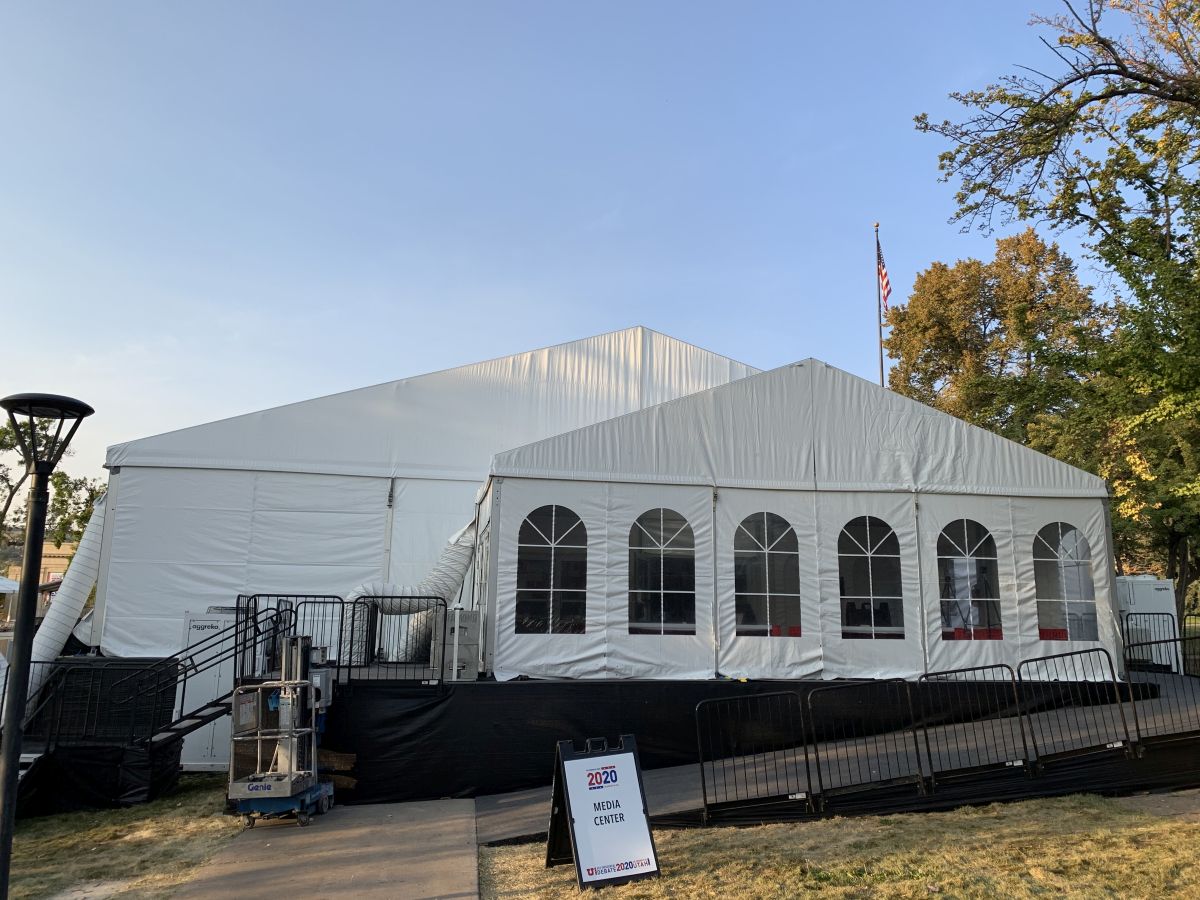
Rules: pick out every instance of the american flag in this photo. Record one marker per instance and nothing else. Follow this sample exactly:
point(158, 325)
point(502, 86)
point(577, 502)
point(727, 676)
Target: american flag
point(885, 286)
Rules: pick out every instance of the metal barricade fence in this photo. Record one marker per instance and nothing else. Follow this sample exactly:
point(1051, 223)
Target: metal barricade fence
point(971, 720)
point(753, 751)
point(1147, 631)
point(260, 637)
point(1191, 652)
point(1072, 703)
point(864, 736)
point(1165, 702)
point(402, 639)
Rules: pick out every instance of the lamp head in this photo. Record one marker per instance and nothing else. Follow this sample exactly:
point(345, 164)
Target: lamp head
point(26, 410)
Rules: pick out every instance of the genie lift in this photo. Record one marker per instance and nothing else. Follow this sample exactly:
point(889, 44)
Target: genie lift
point(273, 753)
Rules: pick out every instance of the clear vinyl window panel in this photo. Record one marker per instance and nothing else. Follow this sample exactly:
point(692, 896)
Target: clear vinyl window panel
point(869, 581)
point(662, 574)
point(968, 583)
point(1066, 594)
point(551, 573)
point(766, 577)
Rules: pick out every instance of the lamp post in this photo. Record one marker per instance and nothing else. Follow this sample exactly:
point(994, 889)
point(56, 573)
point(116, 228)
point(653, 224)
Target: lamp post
point(25, 411)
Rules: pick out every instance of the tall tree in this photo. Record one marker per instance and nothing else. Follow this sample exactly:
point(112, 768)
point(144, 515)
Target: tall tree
point(999, 344)
point(1108, 143)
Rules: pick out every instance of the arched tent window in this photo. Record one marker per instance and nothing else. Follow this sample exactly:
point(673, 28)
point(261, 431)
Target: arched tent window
point(869, 579)
point(1062, 573)
point(662, 574)
point(766, 577)
point(551, 572)
point(970, 589)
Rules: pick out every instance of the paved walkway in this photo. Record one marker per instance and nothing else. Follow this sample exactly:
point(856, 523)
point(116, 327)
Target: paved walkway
point(385, 851)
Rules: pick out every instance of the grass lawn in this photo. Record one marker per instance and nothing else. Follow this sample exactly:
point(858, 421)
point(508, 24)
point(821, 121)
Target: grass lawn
point(143, 851)
point(1083, 845)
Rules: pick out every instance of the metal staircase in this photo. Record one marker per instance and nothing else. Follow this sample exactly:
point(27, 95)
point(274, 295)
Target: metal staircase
point(250, 644)
point(189, 722)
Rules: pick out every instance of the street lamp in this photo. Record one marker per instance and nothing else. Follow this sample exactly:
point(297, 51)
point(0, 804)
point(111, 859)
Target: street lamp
point(41, 455)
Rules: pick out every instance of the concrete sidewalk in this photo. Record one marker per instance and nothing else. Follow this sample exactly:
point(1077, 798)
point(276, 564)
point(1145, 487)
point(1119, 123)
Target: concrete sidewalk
point(385, 851)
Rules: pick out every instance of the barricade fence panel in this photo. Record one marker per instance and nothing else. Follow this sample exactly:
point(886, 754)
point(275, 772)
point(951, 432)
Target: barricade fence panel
point(1148, 631)
point(366, 639)
point(971, 721)
point(1191, 651)
point(752, 750)
point(1165, 701)
point(1072, 704)
point(864, 735)
point(401, 639)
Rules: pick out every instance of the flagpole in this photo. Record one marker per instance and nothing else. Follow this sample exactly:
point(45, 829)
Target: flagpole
point(878, 306)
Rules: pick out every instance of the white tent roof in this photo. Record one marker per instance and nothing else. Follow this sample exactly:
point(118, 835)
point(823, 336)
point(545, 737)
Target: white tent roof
point(447, 424)
point(806, 426)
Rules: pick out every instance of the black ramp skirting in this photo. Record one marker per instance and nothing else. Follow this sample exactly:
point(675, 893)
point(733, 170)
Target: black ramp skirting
point(414, 742)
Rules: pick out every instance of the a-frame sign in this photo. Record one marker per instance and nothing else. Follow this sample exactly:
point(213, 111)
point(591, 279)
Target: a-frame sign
point(598, 817)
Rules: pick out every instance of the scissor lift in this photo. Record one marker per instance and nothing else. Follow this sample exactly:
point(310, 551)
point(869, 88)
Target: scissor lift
point(273, 757)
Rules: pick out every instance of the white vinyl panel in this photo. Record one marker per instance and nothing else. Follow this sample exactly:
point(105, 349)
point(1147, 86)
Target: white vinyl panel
point(166, 590)
point(178, 542)
point(159, 488)
point(994, 514)
point(151, 534)
point(288, 536)
point(863, 658)
point(309, 578)
point(1029, 516)
point(425, 514)
point(550, 655)
point(774, 656)
point(659, 656)
point(312, 493)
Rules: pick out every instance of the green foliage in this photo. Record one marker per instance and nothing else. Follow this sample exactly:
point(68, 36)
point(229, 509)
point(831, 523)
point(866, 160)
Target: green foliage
point(71, 501)
point(70, 505)
point(998, 344)
point(1109, 144)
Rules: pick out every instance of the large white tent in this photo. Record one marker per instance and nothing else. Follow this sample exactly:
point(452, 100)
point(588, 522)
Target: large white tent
point(363, 486)
point(801, 522)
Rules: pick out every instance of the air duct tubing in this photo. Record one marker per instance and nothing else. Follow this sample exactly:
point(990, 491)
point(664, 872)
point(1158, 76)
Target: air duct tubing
point(68, 602)
point(410, 641)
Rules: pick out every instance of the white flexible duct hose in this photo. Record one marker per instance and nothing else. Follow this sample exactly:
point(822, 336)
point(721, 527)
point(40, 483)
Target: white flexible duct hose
point(68, 602)
point(444, 581)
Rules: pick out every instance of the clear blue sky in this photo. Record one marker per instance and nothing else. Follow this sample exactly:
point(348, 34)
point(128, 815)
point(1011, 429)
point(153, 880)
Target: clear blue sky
point(210, 208)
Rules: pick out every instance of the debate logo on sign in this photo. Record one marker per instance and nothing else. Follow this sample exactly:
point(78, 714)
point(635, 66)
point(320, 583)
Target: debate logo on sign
point(600, 778)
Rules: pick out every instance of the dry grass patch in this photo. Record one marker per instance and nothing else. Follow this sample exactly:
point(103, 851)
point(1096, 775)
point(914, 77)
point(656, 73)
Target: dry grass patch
point(143, 851)
point(1086, 846)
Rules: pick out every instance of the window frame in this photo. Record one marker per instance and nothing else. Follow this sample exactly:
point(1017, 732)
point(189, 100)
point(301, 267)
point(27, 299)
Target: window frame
point(555, 542)
point(1063, 602)
point(967, 553)
point(763, 551)
point(868, 554)
point(659, 547)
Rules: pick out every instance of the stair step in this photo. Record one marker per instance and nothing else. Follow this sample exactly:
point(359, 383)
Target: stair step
point(27, 761)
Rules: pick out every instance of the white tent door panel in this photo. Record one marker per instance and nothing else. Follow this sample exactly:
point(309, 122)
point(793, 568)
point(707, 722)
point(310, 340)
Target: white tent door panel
point(190, 539)
point(425, 513)
point(1062, 588)
point(673, 653)
point(768, 605)
point(548, 650)
point(973, 611)
point(870, 595)
point(671, 605)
